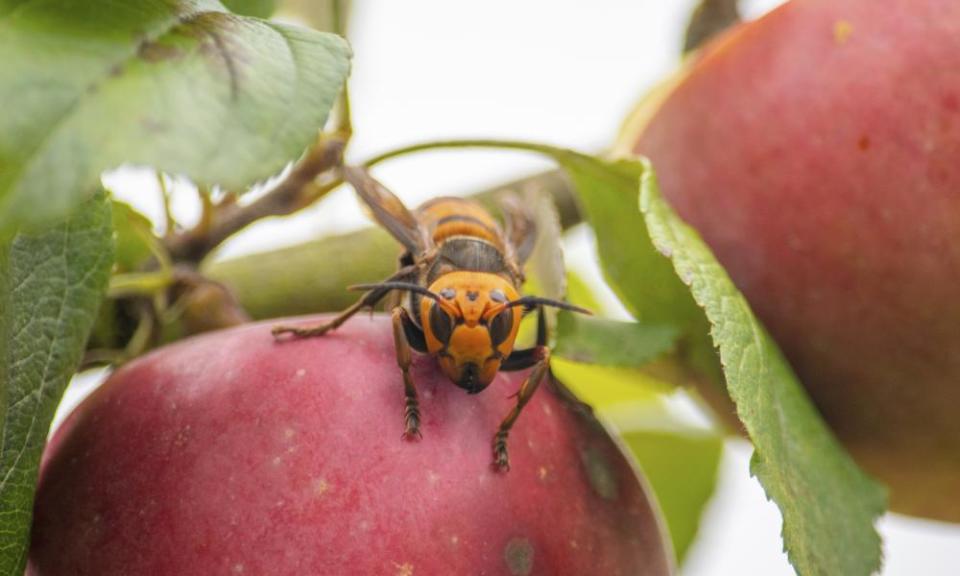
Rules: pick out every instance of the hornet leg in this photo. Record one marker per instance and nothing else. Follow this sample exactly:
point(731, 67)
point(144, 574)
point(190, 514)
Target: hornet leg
point(405, 334)
point(539, 358)
point(525, 358)
point(369, 300)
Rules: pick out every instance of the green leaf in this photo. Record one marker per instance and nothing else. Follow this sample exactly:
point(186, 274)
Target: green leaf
point(183, 86)
point(679, 460)
point(134, 236)
point(612, 343)
point(828, 504)
point(642, 278)
point(256, 8)
point(51, 283)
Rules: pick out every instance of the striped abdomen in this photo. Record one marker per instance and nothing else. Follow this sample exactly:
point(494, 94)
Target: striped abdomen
point(450, 217)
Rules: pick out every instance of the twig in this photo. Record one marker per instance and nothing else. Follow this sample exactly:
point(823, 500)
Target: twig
point(169, 223)
point(295, 191)
point(206, 209)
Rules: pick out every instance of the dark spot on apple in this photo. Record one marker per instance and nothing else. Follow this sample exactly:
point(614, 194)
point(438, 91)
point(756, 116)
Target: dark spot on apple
point(863, 143)
point(518, 555)
point(599, 473)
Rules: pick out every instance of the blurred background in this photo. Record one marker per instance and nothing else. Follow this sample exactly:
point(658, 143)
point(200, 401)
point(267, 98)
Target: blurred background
point(552, 71)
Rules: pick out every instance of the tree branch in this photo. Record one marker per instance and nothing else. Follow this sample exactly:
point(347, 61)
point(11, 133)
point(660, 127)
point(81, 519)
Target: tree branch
point(297, 190)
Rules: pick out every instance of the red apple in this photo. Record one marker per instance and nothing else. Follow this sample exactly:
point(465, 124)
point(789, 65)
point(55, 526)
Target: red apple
point(817, 150)
point(231, 453)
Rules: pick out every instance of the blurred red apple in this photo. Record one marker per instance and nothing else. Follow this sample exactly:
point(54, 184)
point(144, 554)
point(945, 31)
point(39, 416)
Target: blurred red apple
point(230, 453)
point(817, 150)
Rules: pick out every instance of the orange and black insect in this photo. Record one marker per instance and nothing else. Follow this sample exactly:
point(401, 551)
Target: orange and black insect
point(462, 274)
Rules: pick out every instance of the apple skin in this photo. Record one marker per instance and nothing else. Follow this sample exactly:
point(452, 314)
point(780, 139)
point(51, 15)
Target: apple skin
point(230, 453)
point(817, 150)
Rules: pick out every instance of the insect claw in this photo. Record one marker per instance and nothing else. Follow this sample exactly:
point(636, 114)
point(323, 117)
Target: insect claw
point(501, 463)
point(279, 332)
point(412, 426)
point(501, 458)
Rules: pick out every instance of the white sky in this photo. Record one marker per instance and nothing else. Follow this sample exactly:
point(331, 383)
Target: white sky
point(557, 71)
